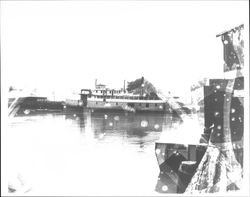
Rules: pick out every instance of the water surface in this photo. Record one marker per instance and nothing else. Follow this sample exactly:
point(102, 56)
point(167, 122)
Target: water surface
point(87, 153)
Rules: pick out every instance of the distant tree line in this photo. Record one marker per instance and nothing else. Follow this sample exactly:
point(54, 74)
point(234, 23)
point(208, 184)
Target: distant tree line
point(135, 84)
point(142, 86)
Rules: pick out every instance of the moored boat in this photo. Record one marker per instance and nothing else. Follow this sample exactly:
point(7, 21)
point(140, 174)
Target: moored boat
point(28, 104)
point(102, 98)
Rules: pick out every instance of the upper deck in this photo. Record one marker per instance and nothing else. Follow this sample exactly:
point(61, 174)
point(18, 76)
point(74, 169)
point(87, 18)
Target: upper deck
point(118, 95)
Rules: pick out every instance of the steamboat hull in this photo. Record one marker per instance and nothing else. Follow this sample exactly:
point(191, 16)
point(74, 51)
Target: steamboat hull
point(126, 106)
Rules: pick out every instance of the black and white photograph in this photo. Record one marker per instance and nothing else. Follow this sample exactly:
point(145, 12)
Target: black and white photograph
point(124, 98)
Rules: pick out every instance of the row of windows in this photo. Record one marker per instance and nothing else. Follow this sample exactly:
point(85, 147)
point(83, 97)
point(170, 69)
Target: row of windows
point(122, 97)
point(140, 104)
point(108, 91)
point(114, 97)
point(133, 104)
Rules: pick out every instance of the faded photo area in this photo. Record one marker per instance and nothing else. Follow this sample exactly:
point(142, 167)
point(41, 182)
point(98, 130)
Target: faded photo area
point(124, 98)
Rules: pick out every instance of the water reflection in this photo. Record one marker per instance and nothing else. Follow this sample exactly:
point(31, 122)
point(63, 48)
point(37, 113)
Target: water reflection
point(78, 150)
point(132, 128)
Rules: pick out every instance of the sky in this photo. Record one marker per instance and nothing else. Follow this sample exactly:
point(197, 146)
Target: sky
point(66, 45)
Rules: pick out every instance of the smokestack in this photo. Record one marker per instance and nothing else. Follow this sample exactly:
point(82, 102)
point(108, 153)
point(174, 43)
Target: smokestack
point(124, 86)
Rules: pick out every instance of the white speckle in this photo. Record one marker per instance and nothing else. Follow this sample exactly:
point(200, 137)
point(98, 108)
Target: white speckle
point(225, 42)
point(157, 126)
point(215, 99)
point(216, 114)
point(116, 118)
point(233, 119)
point(160, 107)
point(105, 116)
point(218, 87)
point(233, 110)
point(164, 188)
point(74, 115)
point(27, 111)
point(144, 123)
point(111, 124)
point(157, 151)
point(234, 132)
point(218, 134)
point(163, 154)
point(64, 106)
point(219, 127)
point(215, 90)
point(227, 99)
